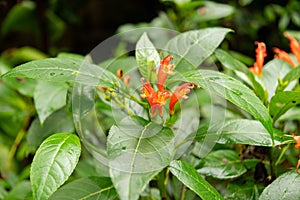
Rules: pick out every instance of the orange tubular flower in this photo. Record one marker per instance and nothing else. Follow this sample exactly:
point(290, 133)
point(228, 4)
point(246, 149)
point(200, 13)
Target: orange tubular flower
point(261, 53)
point(180, 93)
point(283, 56)
point(297, 139)
point(155, 99)
point(164, 70)
point(294, 45)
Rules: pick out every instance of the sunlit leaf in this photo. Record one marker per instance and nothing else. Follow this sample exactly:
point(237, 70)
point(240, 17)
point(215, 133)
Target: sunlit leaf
point(191, 48)
point(87, 188)
point(234, 91)
point(147, 58)
point(137, 151)
point(53, 163)
point(190, 177)
point(231, 63)
point(285, 187)
point(222, 164)
point(272, 71)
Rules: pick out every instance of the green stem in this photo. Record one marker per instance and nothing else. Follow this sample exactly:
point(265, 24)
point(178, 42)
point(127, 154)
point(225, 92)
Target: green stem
point(183, 190)
point(162, 184)
point(16, 143)
point(281, 155)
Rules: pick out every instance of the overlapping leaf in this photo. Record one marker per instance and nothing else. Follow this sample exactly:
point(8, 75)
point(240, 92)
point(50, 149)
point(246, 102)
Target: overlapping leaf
point(137, 151)
point(234, 91)
point(191, 48)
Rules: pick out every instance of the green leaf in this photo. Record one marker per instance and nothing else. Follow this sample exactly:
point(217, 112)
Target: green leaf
point(87, 188)
point(49, 69)
point(222, 164)
point(189, 177)
point(213, 11)
point(20, 191)
point(191, 48)
point(66, 70)
point(285, 187)
point(49, 97)
point(272, 71)
point(137, 151)
point(147, 58)
point(234, 91)
point(292, 75)
point(242, 190)
point(231, 63)
point(53, 163)
point(58, 122)
point(282, 102)
point(21, 17)
point(237, 131)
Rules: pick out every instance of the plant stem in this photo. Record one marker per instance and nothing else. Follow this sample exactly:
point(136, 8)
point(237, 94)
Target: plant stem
point(16, 143)
point(162, 184)
point(183, 190)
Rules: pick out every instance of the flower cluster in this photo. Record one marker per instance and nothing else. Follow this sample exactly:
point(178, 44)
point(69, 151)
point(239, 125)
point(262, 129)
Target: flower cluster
point(280, 54)
point(157, 99)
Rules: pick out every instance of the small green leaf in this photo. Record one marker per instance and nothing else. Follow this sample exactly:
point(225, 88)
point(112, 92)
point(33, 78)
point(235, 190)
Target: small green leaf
point(289, 77)
point(222, 164)
point(87, 188)
point(272, 71)
point(213, 11)
point(189, 177)
point(147, 58)
point(49, 97)
point(191, 48)
point(282, 102)
point(231, 63)
point(137, 150)
point(285, 187)
point(234, 91)
point(237, 131)
point(53, 163)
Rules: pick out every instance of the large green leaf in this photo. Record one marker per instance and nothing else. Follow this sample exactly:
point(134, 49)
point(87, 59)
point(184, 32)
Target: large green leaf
point(137, 151)
point(66, 70)
point(147, 58)
point(191, 48)
point(53, 163)
point(87, 188)
point(282, 102)
point(272, 71)
point(231, 63)
point(49, 69)
point(237, 131)
point(58, 122)
point(234, 91)
point(222, 164)
point(189, 177)
point(49, 97)
point(285, 187)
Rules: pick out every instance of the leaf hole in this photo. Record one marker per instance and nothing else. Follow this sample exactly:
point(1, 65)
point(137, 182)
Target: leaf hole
point(294, 101)
point(52, 73)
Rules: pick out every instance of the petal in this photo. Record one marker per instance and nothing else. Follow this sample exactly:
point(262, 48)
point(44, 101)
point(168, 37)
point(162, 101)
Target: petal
point(283, 56)
point(180, 93)
point(294, 45)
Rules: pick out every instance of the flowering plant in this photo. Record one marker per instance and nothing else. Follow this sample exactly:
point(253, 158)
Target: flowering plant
point(163, 120)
